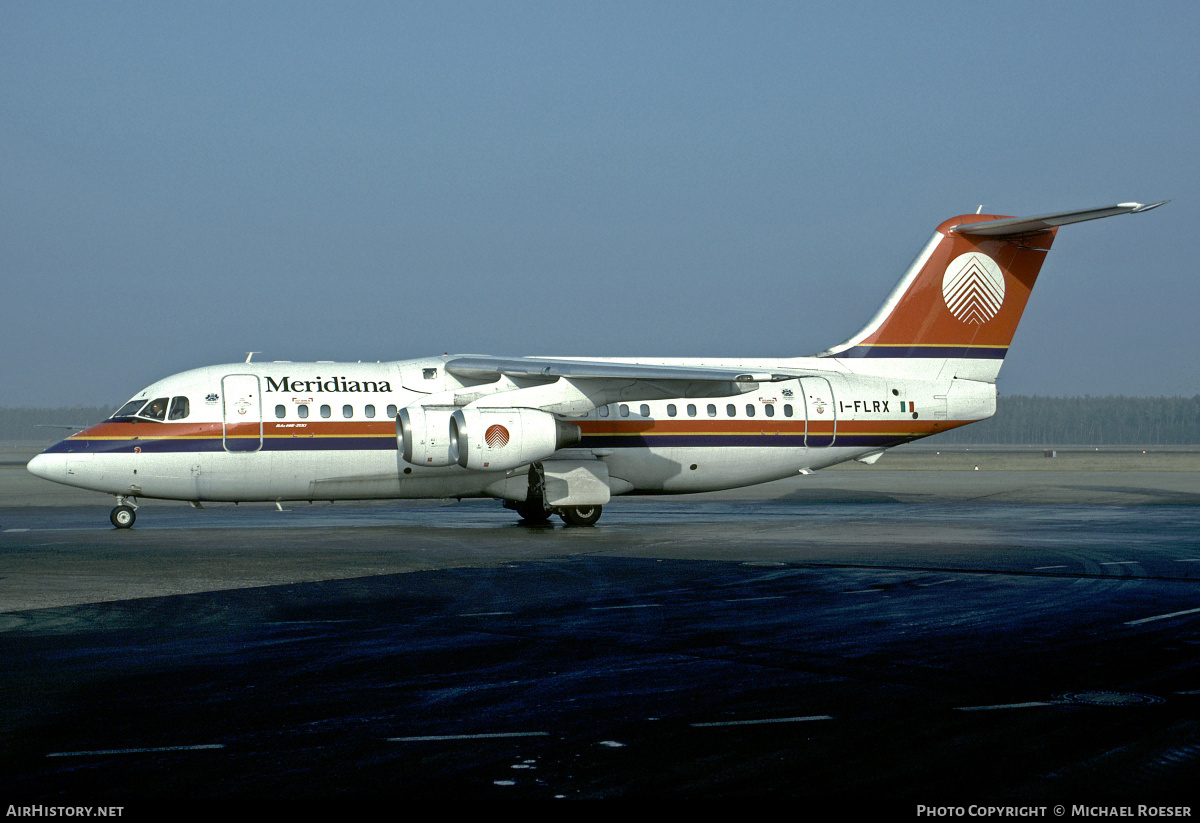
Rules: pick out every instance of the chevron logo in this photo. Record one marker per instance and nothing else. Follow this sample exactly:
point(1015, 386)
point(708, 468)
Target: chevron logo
point(496, 436)
point(973, 288)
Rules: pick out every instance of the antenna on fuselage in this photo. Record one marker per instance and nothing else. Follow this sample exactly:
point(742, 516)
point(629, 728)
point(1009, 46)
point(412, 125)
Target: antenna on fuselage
point(250, 354)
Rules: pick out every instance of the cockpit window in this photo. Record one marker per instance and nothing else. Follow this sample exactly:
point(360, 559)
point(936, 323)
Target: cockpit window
point(130, 408)
point(180, 408)
point(156, 410)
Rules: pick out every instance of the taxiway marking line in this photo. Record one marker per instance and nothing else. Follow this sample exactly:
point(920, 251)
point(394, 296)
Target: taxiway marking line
point(764, 721)
point(428, 737)
point(1003, 706)
point(635, 606)
point(1161, 617)
point(140, 751)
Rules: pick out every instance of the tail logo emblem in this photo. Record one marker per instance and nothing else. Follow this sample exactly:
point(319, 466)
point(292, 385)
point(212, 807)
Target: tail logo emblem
point(496, 436)
point(973, 288)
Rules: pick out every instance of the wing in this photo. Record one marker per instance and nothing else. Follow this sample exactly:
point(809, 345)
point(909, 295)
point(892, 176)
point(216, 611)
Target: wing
point(482, 367)
point(573, 386)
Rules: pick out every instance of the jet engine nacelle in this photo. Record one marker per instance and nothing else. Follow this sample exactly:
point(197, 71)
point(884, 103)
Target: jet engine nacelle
point(423, 435)
point(488, 439)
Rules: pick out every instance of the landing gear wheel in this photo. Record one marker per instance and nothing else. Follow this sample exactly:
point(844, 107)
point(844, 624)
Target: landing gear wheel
point(533, 512)
point(122, 517)
point(580, 515)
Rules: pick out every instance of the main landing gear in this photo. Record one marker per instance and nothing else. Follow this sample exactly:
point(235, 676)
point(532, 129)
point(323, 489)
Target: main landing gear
point(580, 515)
point(534, 513)
point(533, 508)
point(125, 513)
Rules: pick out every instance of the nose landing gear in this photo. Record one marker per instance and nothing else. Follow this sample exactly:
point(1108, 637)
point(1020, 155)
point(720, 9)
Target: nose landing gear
point(125, 513)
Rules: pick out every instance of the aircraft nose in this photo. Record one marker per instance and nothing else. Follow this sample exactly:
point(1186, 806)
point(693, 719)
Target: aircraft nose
point(48, 466)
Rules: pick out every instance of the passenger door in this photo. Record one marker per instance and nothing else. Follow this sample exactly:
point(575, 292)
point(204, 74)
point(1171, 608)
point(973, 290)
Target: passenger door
point(242, 405)
point(819, 411)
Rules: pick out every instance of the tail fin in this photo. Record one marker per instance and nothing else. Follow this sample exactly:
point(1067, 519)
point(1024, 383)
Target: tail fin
point(963, 296)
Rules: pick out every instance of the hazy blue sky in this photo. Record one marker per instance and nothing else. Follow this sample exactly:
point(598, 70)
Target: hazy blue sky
point(181, 183)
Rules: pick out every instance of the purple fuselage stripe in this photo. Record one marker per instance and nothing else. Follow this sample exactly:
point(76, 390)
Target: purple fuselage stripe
point(937, 352)
point(619, 441)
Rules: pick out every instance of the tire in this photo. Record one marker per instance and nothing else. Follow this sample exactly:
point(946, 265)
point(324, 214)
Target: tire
point(122, 517)
point(533, 513)
point(580, 515)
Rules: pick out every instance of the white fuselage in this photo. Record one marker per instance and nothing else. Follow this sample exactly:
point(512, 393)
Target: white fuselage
point(308, 431)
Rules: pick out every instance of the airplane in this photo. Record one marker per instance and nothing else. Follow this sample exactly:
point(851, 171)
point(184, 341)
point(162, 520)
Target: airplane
point(562, 436)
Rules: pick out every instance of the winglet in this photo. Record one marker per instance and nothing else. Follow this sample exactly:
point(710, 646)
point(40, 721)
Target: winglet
point(1010, 226)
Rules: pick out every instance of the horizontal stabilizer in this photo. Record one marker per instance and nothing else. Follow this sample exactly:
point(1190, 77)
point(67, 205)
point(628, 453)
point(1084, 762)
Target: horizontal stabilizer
point(1010, 226)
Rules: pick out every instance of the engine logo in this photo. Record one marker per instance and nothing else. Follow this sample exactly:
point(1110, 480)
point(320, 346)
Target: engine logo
point(973, 288)
point(496, 436)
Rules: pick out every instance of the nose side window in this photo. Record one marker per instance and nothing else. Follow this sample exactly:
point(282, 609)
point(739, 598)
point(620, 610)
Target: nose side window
point(157, 409)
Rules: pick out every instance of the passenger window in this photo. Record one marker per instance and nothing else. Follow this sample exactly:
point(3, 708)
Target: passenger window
point(645, 410)
point(624, 410)
point(749, 409)
point(712, 410)
point(787, 410)
point(731, 410)
point(670, 410)
point(369, 410)
point(179, 408)
point(157, 410)
point(347, 411)
point(602, 411)
point(391, 410)
point(691, 409)
point(280, 411)
point(325, 411)
point(769, 409)
point(302, 410)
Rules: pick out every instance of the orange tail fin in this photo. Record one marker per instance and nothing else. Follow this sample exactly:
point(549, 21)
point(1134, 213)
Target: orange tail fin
point(963, 296)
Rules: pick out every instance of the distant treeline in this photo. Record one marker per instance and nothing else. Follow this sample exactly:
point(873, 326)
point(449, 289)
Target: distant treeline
point(1023, 420)
point(1020, 420)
